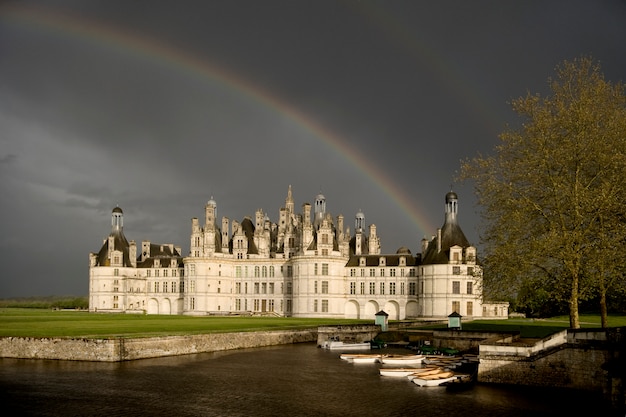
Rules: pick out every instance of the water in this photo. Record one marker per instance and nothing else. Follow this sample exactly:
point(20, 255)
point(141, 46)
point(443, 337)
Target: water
point(294, 380)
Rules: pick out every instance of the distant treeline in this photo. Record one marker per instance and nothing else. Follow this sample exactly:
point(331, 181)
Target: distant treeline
point(53, 301)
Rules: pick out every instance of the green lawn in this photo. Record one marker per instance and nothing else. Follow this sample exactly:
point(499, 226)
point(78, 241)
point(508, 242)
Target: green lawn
point(50, 323)
point(23, 322)
point(535, 328)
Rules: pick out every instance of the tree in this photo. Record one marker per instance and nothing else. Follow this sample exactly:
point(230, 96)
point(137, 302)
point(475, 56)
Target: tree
point(551, 195)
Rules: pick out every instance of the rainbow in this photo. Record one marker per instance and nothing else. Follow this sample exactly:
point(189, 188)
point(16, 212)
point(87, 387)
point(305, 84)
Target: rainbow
point(65, 25)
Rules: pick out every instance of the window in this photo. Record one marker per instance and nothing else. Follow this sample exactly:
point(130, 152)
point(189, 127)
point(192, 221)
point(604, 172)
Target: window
point(271, 272)
point(256, 287)
point(315, 269)
point(289, 288)
point(325, 239)
point(412, 272)
point(392, 272)
point(264, 288)
point(402, 288)
point(470, 308)
point(352, 272)
point(238, 271)
point(324, 269)
point(456, 270)
point(116, 272)
point(257, 271)
point(470, 270)
point(315, 287)
point(456, 306)
point(470, 287)
point(148, 273)
point(324, 306)
point(156, 273)
point(372, 272)
point(456, 287)
point(264, 271)
point(392, 288)
point(324, 252)
point(271, 288)
point(238, 288)
point(362, 288)
point(173, 272)
point(382, 272)
point(382, 288)
point(412, 288)
point(362, 272)
point(372, 288)
point(324, 287)
point(165, 287)
point(315, 306)
point(165, 273)
point(156, 287)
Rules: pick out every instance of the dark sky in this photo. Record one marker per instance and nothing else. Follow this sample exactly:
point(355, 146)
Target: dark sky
point(157, 106)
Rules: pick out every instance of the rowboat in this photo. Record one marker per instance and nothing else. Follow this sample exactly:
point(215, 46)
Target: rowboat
point(338, 345)
point(397, 372)
point(424, 372)
point(434, 380)
point(361, 357)
point(403, 359)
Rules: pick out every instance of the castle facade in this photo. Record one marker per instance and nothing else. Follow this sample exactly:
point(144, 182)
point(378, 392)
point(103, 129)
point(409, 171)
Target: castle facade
point(307, 264)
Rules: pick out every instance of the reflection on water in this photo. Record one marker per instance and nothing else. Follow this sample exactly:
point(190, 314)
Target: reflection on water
point(294, 380)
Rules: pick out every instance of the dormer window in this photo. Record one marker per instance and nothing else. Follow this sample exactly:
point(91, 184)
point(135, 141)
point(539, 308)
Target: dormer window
point(382, 261)
point(362, 261)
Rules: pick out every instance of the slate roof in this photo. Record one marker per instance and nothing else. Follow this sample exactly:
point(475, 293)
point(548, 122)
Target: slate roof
point(451, 235)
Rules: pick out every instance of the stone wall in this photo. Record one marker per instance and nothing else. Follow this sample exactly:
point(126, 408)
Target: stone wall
point(347, 333)
point(123, 349)
point(561, 360)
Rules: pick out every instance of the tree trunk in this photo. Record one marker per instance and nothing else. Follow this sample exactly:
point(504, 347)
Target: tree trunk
point(604, 321)
point(574, 321)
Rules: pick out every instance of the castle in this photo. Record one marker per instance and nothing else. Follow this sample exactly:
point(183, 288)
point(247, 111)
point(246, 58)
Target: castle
point(308, 264)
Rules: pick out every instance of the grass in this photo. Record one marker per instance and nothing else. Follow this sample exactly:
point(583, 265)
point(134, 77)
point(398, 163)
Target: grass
point(535, 328)
point(22, 322)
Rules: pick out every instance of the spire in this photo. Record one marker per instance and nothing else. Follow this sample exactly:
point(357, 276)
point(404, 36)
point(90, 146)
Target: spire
point(359, 222)
point(289, 205)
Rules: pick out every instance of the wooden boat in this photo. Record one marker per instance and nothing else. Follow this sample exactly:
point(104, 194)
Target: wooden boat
point(338, 345)
point(403, 359)
point(424, 372)
point(362, 357)
point(434, 380)
point(397, 372)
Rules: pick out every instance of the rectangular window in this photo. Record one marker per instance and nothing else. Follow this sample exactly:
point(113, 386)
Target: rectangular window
point(412, 272)
point(165, 273)
point(264, 288)
point(156, 273)
point(456, 307)
point(156, 287)
point(470, 270)
point(238, 272)
point(362, 288)
point(256, 287)
point(382, 272)
point(238, 288)
point(324, 306)
point(165, 287)
point(392, 288)
point(324, 287)
point(315, 269)
point(352, 272)
point(412, 288)
point(372, 272)
point(456, 287)
point(148, 273)
point(324, 269)
point(362, 272)
point(392, 272)
point(315, 287)
point(382, 288)
point(470, 287)
point(456, 270)
point(353, 288)
point(271, 288)
point(116, 272)
point(402, 288)
point(315, 306)
point(372, 288)
point(470, 308)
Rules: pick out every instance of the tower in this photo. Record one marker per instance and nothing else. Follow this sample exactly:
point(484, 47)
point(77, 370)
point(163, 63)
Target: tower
point(320, 208)
point(117, 220)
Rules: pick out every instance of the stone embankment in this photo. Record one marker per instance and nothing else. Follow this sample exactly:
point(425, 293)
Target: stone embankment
point(126, 349)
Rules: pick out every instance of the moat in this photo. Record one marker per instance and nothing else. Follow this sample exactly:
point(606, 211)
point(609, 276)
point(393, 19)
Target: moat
point(298, 379)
